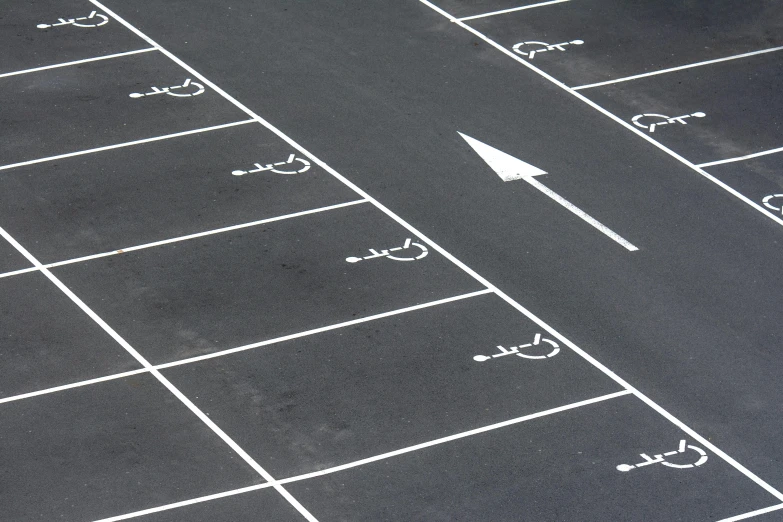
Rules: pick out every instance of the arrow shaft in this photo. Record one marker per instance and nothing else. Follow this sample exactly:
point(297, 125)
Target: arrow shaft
point(579, 212)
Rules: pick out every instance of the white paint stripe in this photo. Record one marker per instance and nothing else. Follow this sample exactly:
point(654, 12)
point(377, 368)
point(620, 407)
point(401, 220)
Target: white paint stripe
point(17, 272)
point(511, 10)
point(606, 113)
point(436, 247)
point(77, 62)
point(203, 234)
point(679, 68)
point(322, 329)
point(189, 502)
point(173, 389)
point(741, 158)
point(72, 385)
point(752, 514)
point(368, 460)
point(126, 144)
point(581, 214)
point(245, 347)
point(450, 438)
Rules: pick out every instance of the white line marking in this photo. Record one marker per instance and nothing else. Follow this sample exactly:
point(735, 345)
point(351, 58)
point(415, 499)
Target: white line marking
point(457, 262)
point(17, 272)
point(203, 234)
point(77, 62)
point(752, 514)
point(741, 158)
point(513, 9)
point(604, 112)
point(183, 503)
point(229, 351)
point(126, 144)
point(47, 391)
point(163, 380)
point(375, 458)
point(586, 217)
point(680, 68)
point(323, 329)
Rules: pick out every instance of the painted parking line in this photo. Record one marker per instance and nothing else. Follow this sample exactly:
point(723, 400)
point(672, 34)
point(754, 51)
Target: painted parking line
point(246, 347)
point(753, 514)
point(680, 68)
point(77, 62)
point(511, 10)
point(703, 441)
point(184, 503)
point(126, 144)
point(387, 455)
point(606, 113)
point(741, 158)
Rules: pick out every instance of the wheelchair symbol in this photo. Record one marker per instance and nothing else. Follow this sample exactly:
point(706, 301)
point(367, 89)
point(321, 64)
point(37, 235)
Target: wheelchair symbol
point(639, 121)
point(96, 20)
point(767, 203)
point(659, 459)
point(543, 47)
point(514, 350)
point(272, 167)
point(422, 252)
point(194, 89)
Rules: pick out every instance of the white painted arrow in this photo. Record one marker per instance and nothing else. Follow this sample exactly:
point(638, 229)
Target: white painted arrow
point(510, 168)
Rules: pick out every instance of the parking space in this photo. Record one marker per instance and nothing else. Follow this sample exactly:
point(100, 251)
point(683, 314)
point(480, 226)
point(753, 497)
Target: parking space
point(760, 179)
point(226, 290)
point(707, 113)
point(332, 398)
point(89, 452)
point(85, 106)
point(607, 39)
point(559, 467)
point(69, 31)
point(48, 342)
point(160, 190)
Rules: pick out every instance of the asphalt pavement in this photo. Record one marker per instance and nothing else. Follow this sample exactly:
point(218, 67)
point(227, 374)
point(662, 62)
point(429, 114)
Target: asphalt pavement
point(416, 260)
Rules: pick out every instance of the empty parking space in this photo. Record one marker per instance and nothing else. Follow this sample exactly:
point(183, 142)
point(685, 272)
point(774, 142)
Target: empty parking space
point(89, 453)
point(559, 467)
point(71, 109)
point(227, 290)
point(160, 190)
point(349, 394)
point(607, 39)
point(51, 32)
point(705, 113)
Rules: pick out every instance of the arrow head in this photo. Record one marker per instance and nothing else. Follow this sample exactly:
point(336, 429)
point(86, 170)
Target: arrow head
point(506, 166)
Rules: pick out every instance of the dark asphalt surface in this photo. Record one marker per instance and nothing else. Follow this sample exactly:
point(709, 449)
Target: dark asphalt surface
point(379, 91)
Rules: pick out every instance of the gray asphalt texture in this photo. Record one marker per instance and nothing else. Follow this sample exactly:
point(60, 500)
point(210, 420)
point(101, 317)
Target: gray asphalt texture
point(368, 367)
